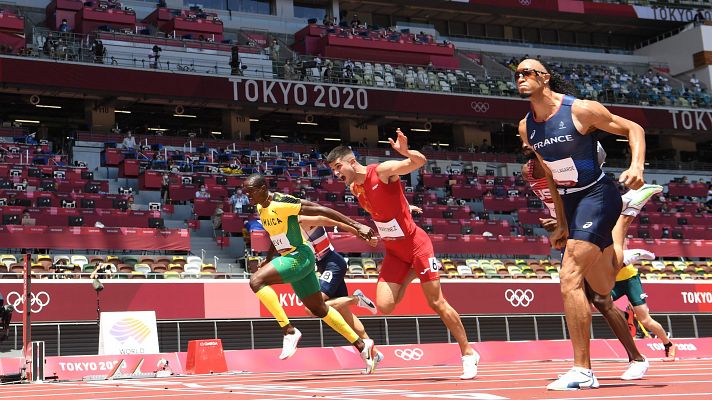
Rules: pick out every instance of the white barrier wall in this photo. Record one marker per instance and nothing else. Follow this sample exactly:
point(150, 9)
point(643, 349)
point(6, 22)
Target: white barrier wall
point(679, 49)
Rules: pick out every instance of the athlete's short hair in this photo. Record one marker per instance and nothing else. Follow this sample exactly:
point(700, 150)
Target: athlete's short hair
point(338, 152)
point(255, 180)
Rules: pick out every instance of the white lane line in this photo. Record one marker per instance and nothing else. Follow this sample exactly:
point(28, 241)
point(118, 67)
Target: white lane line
point(390, 374)
point(637, 396)
point(481, 378)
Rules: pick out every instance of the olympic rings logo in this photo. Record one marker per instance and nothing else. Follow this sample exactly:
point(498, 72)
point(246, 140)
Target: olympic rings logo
point(519, 297)
point(409, 354)
point(480, 106)
point(525, 2)
point(38, 301)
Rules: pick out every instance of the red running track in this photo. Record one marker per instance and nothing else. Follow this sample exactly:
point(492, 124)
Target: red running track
point(685, 379)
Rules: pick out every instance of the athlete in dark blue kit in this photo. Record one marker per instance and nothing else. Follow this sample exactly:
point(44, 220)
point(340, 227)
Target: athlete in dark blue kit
point(561, 130)
point(332, 268)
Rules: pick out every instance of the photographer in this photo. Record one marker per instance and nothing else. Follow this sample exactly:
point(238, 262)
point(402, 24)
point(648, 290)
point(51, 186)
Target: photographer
point(6, 311)
point(99, 52)
point(103, 271)
point(236, 66)
point(62, 269)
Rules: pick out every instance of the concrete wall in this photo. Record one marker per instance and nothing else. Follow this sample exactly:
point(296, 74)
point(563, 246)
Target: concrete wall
point(677, 52)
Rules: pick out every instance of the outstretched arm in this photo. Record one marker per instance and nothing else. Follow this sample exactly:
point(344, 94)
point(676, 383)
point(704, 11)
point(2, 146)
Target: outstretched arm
point(364, 232)
point(414, 159)
point(319, 220)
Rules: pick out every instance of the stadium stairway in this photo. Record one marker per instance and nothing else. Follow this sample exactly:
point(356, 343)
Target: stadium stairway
point(467, 64)
point(202, 242)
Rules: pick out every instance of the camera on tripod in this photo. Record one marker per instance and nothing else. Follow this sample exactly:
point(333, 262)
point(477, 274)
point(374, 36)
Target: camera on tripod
point(62, 267)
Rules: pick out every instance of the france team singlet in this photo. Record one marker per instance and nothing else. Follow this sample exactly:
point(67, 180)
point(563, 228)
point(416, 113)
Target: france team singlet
point(571, 156)
point(592, 203)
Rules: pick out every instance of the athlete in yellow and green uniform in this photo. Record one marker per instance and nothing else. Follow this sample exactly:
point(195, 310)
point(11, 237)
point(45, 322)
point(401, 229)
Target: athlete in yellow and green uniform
point(628, 284)
point(279, 214)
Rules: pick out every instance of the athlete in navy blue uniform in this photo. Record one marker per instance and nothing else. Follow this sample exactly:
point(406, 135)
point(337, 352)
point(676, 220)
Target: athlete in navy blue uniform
point(561, 130)
point(332, 269)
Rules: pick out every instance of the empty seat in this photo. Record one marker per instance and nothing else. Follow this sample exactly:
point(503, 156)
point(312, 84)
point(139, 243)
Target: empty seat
point(464, 271)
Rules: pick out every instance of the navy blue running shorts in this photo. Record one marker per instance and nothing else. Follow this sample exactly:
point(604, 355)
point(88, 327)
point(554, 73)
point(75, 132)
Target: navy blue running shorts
point(333, 269)
point(592, 213)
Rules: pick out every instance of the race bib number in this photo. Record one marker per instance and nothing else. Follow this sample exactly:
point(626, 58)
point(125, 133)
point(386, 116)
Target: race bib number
point(327, 276)
point(281, 243)
point(434, 264)
point(564, 171)
point(389, 229)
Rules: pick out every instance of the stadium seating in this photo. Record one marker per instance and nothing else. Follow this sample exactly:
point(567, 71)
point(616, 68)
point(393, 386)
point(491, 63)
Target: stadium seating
point(615, 84)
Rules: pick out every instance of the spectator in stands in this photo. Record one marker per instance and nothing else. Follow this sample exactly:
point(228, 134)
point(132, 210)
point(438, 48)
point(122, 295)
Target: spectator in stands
point(64, 26)
point(131, 205)
point(274, 49)
point(129, 142)
point(318, 62)
point(165, 184)
point(485, 148)
point(27, 220)
point(202, 193)
point(699, 17)
point(364, 142)
point(31, 138)
point(328, 68)
point(348, 70)
point(99, 52)
point(216, 218)
point(289, 73)
point(694, 81)
point(355, 22)
point(238, 200)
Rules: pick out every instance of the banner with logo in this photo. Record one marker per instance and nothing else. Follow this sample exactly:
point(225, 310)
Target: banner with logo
point(131, 332)
point(75, 300)
point(274, 94)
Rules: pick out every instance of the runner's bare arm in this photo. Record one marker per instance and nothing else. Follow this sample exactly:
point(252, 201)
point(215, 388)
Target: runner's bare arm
point(593, 115)
point(396, 168)
point(560, 234)
point(308, 221)
point(364, 232)
point(339, 216)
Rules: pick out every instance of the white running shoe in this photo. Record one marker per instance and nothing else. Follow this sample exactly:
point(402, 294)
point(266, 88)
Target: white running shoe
point(636, 370)
point(289, 344)
point(634, 255)
point(377, 360)
point(576, 378)
point(365, 302)
point(469, 366)
point(634, 200)
point(368, 355)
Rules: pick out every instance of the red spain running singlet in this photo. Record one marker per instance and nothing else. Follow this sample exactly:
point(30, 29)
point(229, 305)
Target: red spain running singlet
point(407, 246)
point(387, 205)
point(540, 188)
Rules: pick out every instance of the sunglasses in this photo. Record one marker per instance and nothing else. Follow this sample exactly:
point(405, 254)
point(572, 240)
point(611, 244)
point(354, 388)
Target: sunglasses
point(527, 72)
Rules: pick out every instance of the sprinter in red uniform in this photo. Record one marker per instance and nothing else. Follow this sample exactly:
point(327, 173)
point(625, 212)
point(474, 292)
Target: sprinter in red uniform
point(409, 251)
